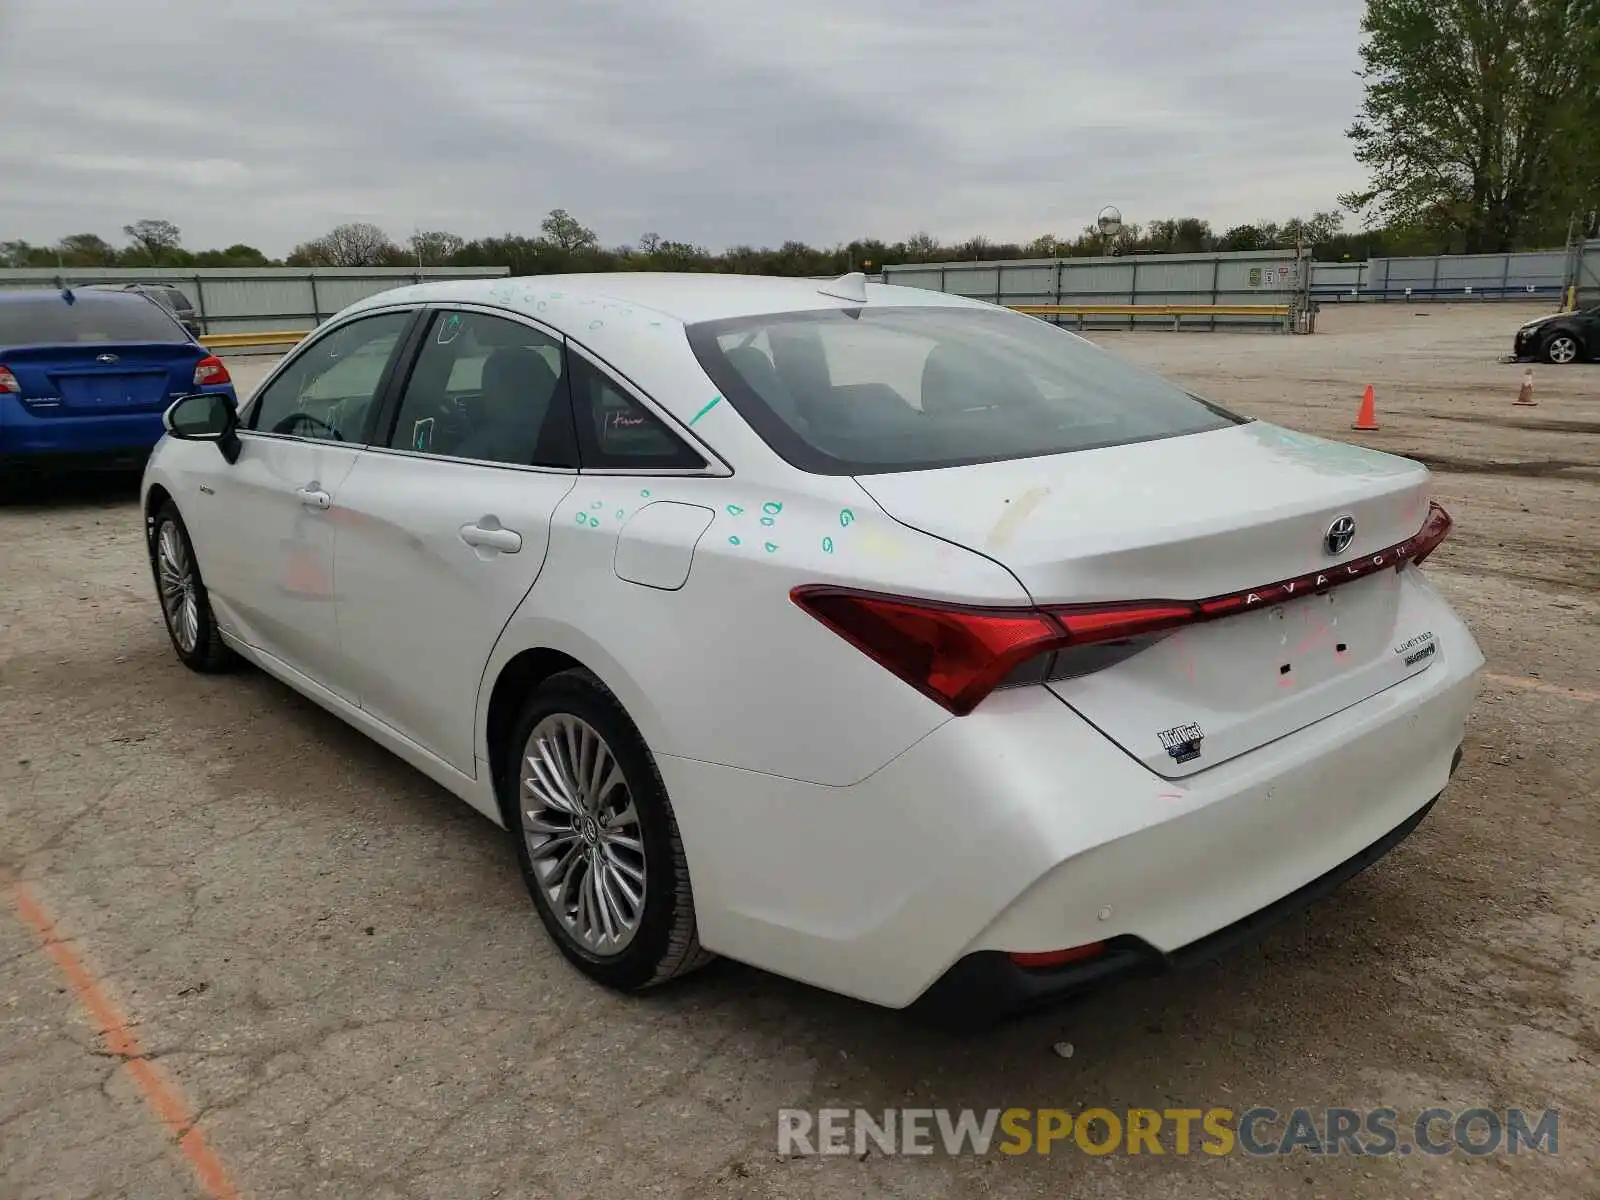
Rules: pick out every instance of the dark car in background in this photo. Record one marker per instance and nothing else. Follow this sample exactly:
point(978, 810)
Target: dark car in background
point(86, 375)
point(1560, 338)
point(167, 295)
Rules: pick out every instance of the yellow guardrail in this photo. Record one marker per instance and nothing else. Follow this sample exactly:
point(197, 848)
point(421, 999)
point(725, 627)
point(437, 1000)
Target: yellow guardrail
point(233, 341)
point(1152, 310)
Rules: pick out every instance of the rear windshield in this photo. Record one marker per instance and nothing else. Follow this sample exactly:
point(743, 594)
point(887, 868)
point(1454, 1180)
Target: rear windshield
point(859, 391)
point(48, 320)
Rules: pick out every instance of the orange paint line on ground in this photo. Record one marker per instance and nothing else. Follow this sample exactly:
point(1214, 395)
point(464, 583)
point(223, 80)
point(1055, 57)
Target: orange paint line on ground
point(1528, 684)
point(159, 1092)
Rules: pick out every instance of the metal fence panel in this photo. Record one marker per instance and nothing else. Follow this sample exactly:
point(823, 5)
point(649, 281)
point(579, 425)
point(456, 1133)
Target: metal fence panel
point(1256, 278)
point(242, 299)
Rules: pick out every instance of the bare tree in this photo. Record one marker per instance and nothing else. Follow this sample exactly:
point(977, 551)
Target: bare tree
point(353, 244)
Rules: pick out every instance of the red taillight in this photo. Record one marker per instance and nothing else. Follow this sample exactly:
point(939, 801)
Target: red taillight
point(1117, 622)
point(1044, 959)
point(953, 655)
point(8, 381)
point(210, 370)
point(1434, 530)
point(956, 655)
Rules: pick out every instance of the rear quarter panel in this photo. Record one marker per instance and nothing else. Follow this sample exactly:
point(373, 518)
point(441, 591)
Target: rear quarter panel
point(726, 668)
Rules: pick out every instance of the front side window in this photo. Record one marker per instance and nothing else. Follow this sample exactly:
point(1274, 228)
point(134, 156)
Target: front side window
point(327, 392)
point(489, 389)
point(857, 391)
point(49, 319)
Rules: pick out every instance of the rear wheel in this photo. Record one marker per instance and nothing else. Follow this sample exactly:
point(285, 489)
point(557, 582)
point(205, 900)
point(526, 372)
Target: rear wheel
point(184, 603)
point(597, 839)
point(1560, 348)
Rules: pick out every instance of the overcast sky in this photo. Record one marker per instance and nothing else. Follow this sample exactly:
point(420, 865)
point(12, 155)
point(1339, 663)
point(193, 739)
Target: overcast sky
point(713, 121)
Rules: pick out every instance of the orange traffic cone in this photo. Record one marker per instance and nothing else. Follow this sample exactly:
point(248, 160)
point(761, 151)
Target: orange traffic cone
point(1525, 393)
point(1367, 416)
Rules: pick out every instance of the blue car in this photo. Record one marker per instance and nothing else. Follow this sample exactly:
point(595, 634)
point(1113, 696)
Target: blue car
point(85, 377)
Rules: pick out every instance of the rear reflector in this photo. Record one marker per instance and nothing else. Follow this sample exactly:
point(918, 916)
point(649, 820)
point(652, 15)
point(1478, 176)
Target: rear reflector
point(210, 370)
point(8, 381)
point(957, 655)
point(1037, 960)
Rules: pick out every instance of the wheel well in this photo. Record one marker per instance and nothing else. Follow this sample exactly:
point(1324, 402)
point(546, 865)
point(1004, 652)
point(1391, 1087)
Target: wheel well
point(152, 505)
point(516, 680)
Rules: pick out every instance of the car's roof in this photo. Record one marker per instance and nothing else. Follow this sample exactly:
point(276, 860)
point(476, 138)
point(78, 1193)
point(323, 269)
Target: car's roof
point(687, 298)
point(118, 296)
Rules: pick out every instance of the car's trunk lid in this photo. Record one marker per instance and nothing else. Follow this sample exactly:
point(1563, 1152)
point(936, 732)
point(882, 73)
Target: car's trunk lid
point(92, 378)
point(1190, 518)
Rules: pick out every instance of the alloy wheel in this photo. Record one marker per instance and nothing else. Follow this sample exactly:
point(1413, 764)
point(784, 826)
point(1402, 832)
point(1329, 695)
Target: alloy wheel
point(1563, 349)
point(583, 834)
point(175, 575)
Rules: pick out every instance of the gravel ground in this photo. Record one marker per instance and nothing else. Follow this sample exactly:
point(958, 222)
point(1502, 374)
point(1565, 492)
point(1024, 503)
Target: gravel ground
point(321, 976)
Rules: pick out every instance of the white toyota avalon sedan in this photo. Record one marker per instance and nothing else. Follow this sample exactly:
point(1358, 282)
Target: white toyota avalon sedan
point(884, 639)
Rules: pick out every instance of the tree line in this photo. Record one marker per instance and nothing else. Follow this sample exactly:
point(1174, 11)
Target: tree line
point(565, 244)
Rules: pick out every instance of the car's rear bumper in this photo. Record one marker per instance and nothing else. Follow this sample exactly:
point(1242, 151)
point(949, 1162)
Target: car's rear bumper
point(988, 984)
point(1020, 829)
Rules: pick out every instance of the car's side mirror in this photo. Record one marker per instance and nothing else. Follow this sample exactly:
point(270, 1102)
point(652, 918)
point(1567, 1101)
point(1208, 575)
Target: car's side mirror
point(205, 417)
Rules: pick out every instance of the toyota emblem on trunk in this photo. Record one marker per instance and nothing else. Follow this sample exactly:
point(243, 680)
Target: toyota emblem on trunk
point(1340, 534)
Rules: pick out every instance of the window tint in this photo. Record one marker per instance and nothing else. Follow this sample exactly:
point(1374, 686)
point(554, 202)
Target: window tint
point(617, 433)
point(489, 389)
point(328, 390)
point(854, 391)
point(92, 317)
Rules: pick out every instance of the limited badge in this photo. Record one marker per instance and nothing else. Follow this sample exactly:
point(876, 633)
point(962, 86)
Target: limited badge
point(1415, 649)
point(1182, 741)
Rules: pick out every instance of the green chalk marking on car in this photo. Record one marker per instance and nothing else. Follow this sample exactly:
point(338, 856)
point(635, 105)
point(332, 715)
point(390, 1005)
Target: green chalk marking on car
point(845, 517)
point(715, 400)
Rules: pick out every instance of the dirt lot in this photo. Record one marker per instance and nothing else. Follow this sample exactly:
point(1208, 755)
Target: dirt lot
point(318, 975)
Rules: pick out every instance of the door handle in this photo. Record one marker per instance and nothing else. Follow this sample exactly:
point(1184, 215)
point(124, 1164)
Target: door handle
point(485, 536)
point(314, 497)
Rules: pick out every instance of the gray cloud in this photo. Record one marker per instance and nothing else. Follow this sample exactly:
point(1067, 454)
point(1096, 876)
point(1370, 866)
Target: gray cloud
point(714, 121)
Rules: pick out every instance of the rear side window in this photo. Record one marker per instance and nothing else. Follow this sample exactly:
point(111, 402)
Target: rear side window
point(615, 432)
point(858, 391)
point(175, 300)
point(49, 320)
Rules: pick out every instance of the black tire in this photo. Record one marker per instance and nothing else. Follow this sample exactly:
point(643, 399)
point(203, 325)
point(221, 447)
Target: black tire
point(209, 655)
point(666, 944)
point(1547, 347)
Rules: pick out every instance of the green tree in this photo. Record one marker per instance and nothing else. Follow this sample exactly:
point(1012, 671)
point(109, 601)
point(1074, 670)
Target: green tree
point(566, 233)
point(435, 248)
point(154, 240)
point(1479, 122)
point(86, 250)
